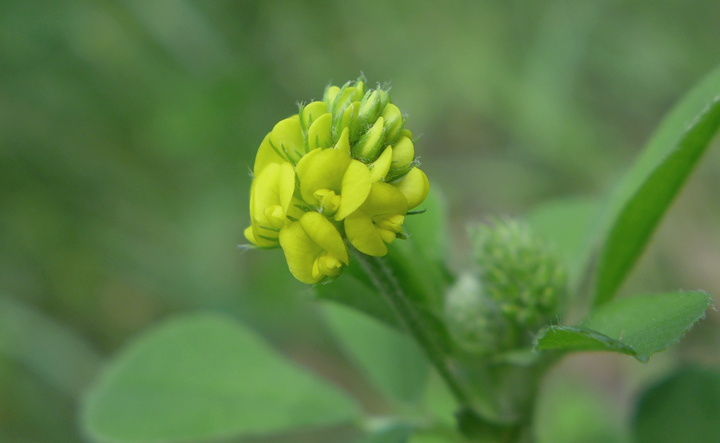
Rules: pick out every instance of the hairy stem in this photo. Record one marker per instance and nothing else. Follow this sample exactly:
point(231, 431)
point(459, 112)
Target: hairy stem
point(408, 317)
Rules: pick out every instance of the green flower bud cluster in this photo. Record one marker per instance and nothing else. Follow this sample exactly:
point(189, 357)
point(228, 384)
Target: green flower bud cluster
point(518, 273)
point(517, 287)
point(342, 170)
point(474, 322)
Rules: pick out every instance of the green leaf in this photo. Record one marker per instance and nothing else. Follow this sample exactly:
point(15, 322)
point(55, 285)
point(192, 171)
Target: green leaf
point(639, 326)
point(442, 436)
point(202, 377)
point(566, 223)
point(430, 228)
point(46, 348)
point(683, 407)
point(354, 289)
point(419, 261)
point(391, 360)
point(570, 338)
point(569, 411)
point(651, 185)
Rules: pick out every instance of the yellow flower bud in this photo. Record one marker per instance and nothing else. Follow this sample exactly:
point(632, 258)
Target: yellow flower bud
point(403, 153)
point(319, 134)
point(347, 95)
point(329, 96)
point(394, 123)
point(347, 119)
point(372, 105)
point(311, 112)
point(380, 167)
point(370, 143)
point(314, 248)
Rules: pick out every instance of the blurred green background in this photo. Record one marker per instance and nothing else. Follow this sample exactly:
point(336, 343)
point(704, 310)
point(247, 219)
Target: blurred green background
point(127, 129)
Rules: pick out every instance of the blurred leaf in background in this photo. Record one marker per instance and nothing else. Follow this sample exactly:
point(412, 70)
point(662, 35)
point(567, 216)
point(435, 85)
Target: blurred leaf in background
point(127, 129)
point(682, 407)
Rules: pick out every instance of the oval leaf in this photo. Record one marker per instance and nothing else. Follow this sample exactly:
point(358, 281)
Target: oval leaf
point(203, 377)
point(46, 348)
point(638, 326)
point(651, 185)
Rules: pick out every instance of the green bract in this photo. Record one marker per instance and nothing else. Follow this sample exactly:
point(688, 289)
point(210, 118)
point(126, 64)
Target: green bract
point(342, 170)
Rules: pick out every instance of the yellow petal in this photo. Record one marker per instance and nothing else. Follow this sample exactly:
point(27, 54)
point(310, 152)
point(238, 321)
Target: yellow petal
point(270, 197)
point(300, 252)
point(265, 156)
point(325, 234)
point(287, 137)
point(363, 235)
point(313, 248)
point(343, 143)
point(249, 235)
point(403, 153)
point(321, 169)
point(356, 185)
point(414, 186)
point(380, 167)
point(312, 112)
point(318, 135)
point(275, 185)
point(286, 185)
point(327, 265)
point(386, 200)
point(377, 221)
point(387, 236)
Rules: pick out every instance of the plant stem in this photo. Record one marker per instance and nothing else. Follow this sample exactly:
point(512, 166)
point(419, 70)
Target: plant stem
point(391, 290)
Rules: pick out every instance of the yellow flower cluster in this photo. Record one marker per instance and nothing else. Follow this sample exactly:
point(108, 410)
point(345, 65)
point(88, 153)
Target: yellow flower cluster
point(341, 170)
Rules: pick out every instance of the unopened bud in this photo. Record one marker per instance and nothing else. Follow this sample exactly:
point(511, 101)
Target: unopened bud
point(369, 146)
point(403, 153)
point(329, 96)
point(347, 95)
point(311, 112)
point(394, 123)
point(372, 105)
point(319, 134)
point(346, 119)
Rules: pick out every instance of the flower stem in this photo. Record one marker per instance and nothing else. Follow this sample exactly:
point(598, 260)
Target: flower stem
point(409, 318)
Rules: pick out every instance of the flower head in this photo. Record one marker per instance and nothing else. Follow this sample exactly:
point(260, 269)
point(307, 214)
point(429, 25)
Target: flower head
point(342, 170)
